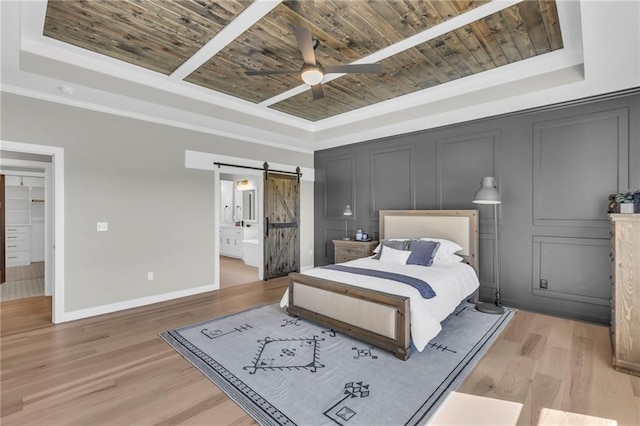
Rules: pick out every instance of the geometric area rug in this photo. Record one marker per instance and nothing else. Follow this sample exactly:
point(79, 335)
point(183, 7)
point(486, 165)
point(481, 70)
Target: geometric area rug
point(284, 370)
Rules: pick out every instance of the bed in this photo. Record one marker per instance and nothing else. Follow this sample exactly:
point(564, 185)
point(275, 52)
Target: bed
point(385, 313)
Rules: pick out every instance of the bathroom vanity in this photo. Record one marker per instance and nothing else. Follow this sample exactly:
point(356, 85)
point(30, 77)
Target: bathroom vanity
point(231, 238)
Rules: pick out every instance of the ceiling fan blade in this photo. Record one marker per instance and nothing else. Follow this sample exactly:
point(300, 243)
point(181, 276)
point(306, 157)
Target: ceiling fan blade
point(354, 68)
point(305, 43)
point(273, 72)
point(317, 92)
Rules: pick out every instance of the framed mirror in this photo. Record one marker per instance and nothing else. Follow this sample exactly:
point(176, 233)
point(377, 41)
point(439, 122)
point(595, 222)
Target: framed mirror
point(249, 207)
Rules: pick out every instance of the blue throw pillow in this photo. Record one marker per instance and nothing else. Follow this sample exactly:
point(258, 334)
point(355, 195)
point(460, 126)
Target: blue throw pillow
point(422, 252)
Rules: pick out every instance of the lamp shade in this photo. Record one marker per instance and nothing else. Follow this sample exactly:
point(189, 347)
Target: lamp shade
point(312, 75)
point(347, 211)
point(488, 193)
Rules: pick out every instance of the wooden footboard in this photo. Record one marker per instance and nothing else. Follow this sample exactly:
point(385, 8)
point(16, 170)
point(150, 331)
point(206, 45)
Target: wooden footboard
point(375, 317)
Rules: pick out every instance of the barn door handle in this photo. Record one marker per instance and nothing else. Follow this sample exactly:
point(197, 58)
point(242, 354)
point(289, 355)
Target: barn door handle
point(267, 226)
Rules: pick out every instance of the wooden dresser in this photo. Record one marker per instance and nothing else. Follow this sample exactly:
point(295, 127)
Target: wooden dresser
point(345, 250)
point(625, 290)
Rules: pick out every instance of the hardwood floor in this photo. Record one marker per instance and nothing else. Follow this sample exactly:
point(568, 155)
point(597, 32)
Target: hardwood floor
point(235, 272)
point(114, 369)
point(542, 361)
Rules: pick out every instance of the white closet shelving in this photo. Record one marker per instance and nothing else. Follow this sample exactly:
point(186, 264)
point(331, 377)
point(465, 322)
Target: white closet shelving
point(24, 220)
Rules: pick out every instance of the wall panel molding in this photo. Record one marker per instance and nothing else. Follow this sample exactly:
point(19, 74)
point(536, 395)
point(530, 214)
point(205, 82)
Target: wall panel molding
point(339, 177)
point(329, 235)
point(576, 269)
point(455, 185)
point(577, 162)
point(393, 179)
point(597, 143)
point(487, 268)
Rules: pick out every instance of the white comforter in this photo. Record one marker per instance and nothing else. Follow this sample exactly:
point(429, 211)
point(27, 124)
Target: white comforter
point(451, 282)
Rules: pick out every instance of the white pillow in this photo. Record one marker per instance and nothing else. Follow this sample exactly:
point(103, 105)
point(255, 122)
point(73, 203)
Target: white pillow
point(449, 258)
point(446, 246)
point(377, 249)
point(395, 256)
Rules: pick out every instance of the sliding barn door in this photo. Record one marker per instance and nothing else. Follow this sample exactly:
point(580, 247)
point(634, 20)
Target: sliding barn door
point(282, 233)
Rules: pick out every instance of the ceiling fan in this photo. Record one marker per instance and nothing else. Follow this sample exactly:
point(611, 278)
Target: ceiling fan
point(312, 72)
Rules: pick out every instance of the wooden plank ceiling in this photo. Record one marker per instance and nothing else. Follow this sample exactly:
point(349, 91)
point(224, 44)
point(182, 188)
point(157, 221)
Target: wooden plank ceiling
point(160, 35)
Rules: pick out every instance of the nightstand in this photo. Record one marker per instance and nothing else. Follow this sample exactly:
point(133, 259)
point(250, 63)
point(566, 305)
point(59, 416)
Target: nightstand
point(345, 250)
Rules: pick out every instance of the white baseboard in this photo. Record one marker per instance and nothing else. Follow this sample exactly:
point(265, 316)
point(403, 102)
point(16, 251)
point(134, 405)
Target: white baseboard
point(120, 306)
point(306, 268)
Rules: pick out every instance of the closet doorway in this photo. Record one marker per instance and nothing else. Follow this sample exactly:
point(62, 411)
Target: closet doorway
point(23, 218)
point(51, 159)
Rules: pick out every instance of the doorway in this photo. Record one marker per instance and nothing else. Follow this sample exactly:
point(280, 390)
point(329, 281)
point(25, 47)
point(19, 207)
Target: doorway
point(222, 164)
point(240, 258)
point(51, 159)
point(23, 215)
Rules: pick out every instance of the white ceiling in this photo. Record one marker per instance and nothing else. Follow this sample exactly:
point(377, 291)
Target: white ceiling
point(601, 54)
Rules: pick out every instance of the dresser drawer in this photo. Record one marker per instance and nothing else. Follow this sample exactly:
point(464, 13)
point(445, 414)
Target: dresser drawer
point(346, 250)
point(17, 233)
point(16, 237)
point(355, 252)
point(19, 245)
point(342, 259)
point(20, 257)
point(231, 232)
point(17, 230)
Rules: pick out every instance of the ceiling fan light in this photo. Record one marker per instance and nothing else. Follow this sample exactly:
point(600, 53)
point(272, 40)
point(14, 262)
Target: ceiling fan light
point(312, 76)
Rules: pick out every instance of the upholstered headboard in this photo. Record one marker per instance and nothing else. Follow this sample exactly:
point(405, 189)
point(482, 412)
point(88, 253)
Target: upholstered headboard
point(460, 226)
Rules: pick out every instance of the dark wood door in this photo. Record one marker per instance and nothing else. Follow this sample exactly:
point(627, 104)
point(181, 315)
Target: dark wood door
point(281, 213)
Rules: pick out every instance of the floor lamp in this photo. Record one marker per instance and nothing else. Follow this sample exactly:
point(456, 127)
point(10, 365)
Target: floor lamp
point(347, 212)
point(488, 194)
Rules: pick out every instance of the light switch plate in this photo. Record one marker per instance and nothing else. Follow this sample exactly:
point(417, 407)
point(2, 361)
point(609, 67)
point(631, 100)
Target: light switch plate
point(103, 226)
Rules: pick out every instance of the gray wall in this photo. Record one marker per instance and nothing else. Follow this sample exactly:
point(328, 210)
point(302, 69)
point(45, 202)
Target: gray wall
point(555, 169)
point(131, 174)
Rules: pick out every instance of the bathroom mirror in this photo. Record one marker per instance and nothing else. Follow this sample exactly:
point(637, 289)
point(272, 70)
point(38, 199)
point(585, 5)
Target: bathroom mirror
point(249, 210)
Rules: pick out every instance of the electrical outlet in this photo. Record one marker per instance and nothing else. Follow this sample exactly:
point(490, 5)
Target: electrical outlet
point(544, 284)
point(150, 276)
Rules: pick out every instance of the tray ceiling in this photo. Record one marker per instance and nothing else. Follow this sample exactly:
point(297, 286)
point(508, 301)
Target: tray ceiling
point(168, 37)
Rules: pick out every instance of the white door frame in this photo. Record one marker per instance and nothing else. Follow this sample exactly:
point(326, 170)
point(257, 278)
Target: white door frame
point(260, 188)
point(54, 218)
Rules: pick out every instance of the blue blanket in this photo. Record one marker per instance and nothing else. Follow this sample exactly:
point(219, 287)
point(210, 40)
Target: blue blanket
point(424, 288)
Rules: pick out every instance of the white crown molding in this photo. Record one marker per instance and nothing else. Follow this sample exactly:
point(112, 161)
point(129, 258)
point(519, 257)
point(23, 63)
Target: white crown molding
point(216, 128)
